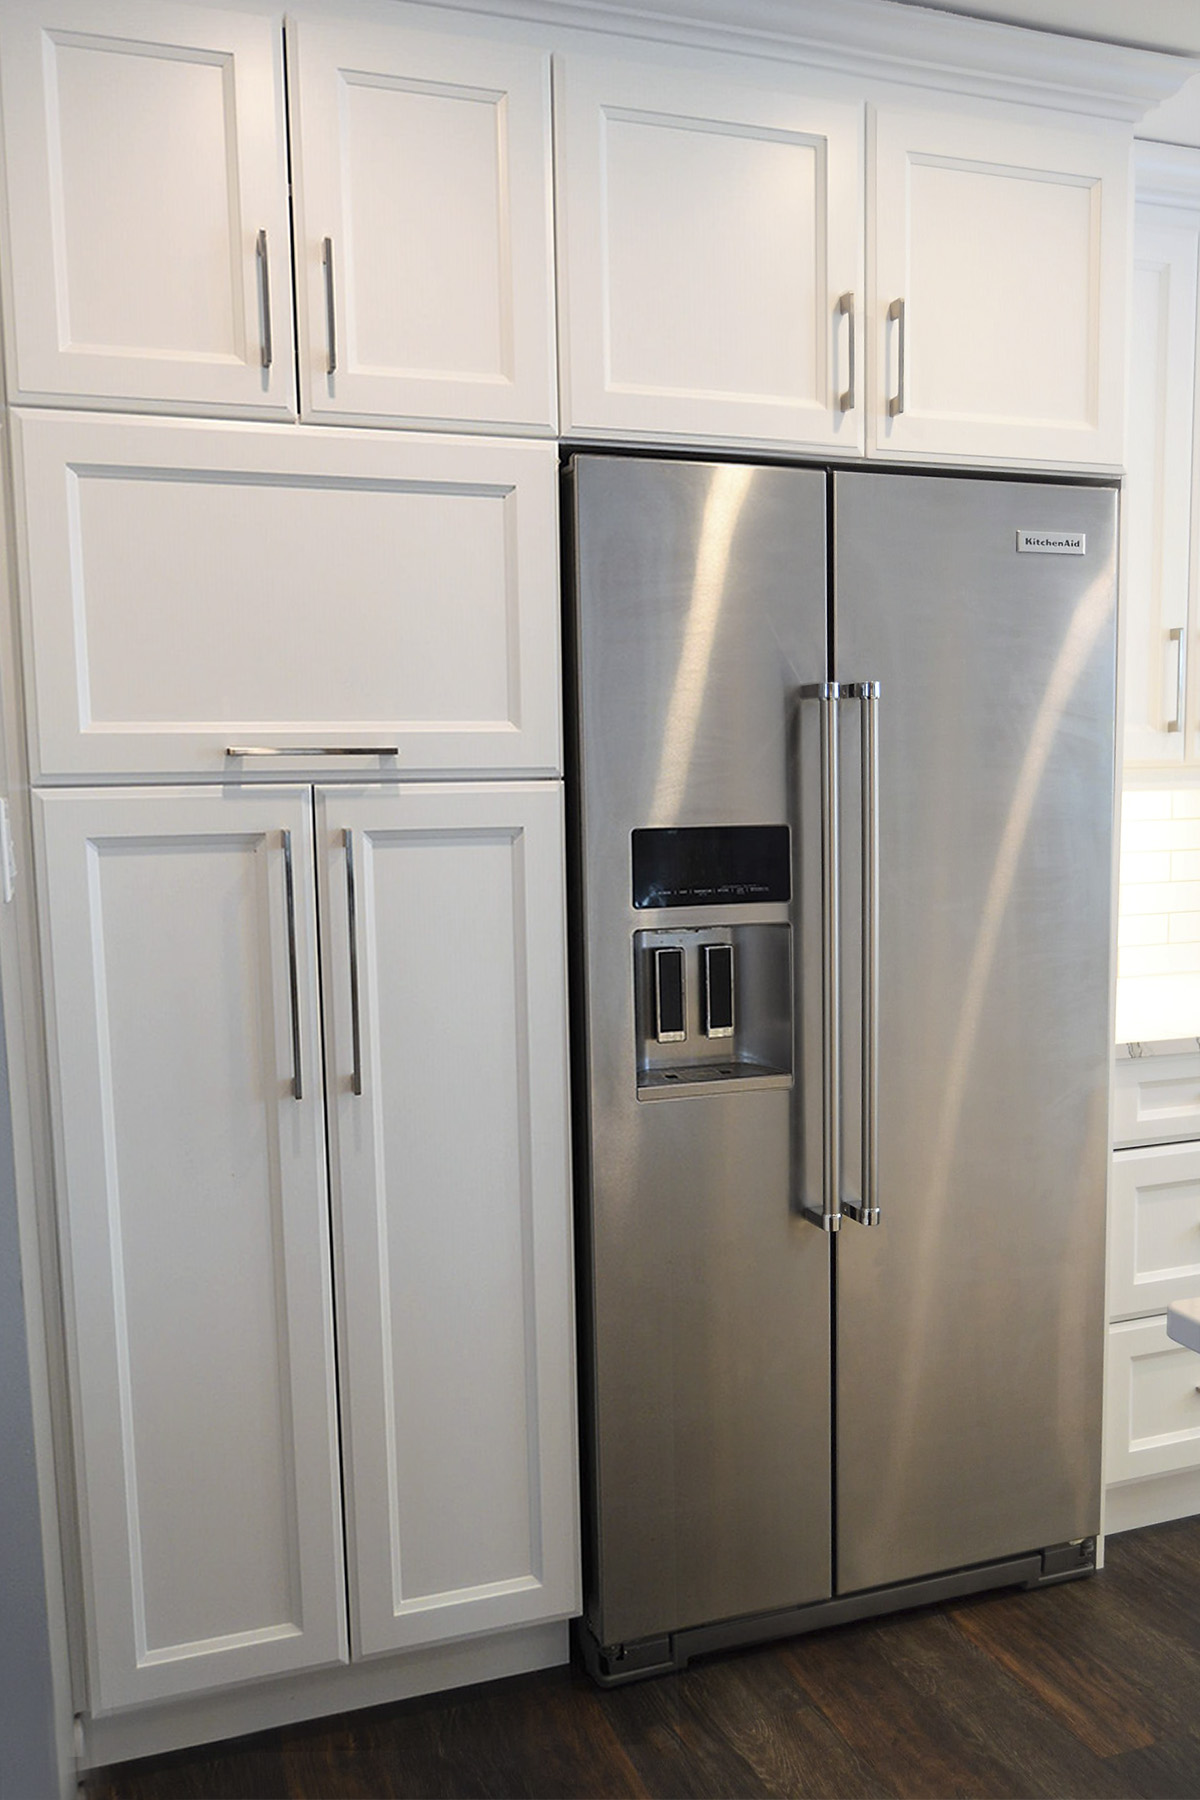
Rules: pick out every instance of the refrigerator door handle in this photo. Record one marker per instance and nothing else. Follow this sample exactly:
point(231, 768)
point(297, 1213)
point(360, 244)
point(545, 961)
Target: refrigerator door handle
point(865, 1210)
point(829, 1216)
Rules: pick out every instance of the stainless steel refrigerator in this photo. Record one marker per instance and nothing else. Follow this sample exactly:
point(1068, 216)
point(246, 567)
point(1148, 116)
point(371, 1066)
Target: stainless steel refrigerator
point(843, 808)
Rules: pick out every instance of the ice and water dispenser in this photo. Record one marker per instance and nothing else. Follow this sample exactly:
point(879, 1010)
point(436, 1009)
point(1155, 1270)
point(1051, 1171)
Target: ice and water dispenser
point(712, 1000)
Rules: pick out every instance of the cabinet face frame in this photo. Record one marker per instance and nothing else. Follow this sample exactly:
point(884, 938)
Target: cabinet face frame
point(1092, 163)
point(125, 1418)
point(243, 52)
point(68, 463)
point(329, 63)
point(594, 97)
point(388, 1219)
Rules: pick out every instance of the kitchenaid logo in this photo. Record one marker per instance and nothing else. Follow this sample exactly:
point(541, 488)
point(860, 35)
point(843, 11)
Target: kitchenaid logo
point(1053, 543)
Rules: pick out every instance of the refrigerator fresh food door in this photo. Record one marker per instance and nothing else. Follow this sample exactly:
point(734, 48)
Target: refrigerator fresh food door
point(698, 613)
point(970, 1321)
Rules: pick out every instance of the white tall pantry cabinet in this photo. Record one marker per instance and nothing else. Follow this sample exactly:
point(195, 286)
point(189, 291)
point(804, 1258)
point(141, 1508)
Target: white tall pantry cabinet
point(295, 307)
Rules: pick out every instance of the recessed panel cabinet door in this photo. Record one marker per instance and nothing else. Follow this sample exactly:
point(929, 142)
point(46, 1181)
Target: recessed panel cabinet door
point(148, 262)
point(424, 232)
point(998, 308)
point(211, 600)
point(1158, 487)
point(445, 1008)
point(710, 258)
point(181, 957)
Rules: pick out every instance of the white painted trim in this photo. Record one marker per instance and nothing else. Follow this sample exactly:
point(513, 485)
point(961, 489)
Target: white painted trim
point(880, 41)
point(262, 1705)
point(1166, 174)
point(1133, 1504)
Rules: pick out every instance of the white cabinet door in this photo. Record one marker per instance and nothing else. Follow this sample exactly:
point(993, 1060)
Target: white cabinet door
point(1158, 488)
point(708, 231)
point(998, 302)
point(447, 1074)
point(424, 231)
point(192, 589)
point(1152, 1405)
point(1154, 1229)
point(184, 1018)
point(1155, 1099)
point(148, 262)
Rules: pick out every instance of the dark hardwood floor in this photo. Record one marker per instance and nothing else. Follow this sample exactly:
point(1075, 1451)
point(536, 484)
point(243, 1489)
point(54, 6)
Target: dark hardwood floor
point(1090, 1689)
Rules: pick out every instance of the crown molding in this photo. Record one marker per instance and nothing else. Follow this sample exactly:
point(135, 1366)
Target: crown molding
point(882, 41)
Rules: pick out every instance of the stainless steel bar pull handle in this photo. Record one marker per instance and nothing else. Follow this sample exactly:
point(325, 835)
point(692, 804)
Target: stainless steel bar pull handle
point(1178, 638)
point(846, 309)
point(293, 969)
point(356, 1083)
point(312, 750)
point(896, 316)
point(827, 693)
point(264, 285)
point(865, 1211)
point(330, 315)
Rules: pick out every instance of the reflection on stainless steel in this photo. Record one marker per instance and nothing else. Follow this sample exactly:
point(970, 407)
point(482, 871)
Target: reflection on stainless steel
point(728, 486)
point(947, 934)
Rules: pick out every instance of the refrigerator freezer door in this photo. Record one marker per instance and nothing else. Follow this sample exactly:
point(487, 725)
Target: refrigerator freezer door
point(970, 1322)
point(699, 612)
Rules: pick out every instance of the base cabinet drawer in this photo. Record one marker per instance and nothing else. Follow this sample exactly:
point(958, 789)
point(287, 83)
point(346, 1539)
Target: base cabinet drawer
point(1152, 1402)
point(1156, 1099)
point(1154, 1229)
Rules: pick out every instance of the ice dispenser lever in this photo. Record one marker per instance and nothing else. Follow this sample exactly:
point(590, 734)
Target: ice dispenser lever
point(718, 990)
point(670, 1019)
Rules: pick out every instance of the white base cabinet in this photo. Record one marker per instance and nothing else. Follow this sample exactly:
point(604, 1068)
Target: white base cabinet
point(181, 955)
point(196, 1221)
point(448, 1111)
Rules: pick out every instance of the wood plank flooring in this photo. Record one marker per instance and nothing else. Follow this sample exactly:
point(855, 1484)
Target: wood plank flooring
point(1091, 1689)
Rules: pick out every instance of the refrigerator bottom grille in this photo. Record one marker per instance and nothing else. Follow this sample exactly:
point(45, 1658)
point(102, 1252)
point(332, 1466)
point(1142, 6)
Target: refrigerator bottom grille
point(611, 1665)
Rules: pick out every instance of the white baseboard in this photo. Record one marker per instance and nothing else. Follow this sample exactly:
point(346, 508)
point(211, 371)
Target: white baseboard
point(261, 1705)
point(1133, 1504)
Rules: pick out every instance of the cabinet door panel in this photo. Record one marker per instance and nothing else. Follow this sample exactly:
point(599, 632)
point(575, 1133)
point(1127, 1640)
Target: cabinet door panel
point(1005, 243)
point(1154, 1229)
point(1158, 488)
point(425, 160)
point(195, 1232)
point(452, 1200)
point(1152, 1423)
point(710, 229)
point(194, 588)
point(146, 154)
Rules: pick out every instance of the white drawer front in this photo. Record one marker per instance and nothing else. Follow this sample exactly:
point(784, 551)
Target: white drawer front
point(191, 587)
point(1156, 1099)
point(1153, 1402)
point(1154, 1229)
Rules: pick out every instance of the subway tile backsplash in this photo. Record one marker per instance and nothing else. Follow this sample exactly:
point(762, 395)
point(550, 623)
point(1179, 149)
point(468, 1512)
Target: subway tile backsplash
point(1158, 935)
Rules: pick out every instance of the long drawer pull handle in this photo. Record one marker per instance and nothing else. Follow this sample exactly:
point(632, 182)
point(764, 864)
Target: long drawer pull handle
point(846, 400)
point(1176, 636)
point(264, 283)
point(330, 314)
point(313, 750)
point(356, 1083)
point(896, 315)
point(293, 967)
point(865, 1211)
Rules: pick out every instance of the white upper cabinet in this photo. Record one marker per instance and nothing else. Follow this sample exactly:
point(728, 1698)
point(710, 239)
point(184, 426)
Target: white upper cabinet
point(709, 230)
point(311, 600)
point(423, 226)
point(998, 290)
point(445, 1009)
point(181, 967)
point(147, 261)
point(1160, 719)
